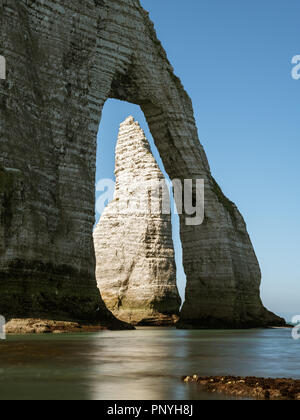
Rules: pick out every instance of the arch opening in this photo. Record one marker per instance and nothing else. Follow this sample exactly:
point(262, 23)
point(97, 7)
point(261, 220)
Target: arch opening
point(114, 113)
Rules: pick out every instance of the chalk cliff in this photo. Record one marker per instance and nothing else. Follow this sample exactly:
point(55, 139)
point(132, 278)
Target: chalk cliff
point(64, 60)
point(135, 261)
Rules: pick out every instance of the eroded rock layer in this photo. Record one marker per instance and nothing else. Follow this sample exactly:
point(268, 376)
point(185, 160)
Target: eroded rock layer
point(63, 60)
point(136, 270)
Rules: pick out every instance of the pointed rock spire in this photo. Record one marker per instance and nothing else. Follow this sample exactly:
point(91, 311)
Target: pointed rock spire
point(136, 270)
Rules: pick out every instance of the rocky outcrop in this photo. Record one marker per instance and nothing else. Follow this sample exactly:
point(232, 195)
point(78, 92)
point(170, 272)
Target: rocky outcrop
point(63, 61)
point(44, 326)
point(135, 264)
point(248, 387)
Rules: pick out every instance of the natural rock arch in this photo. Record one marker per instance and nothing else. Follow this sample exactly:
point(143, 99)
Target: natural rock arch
point(64, 60)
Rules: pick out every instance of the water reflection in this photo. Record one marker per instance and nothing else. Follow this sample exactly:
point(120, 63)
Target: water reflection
point(142, 364)
point(141, 368)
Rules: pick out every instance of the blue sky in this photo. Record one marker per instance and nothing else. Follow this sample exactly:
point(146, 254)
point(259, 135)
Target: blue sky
point(234, 59)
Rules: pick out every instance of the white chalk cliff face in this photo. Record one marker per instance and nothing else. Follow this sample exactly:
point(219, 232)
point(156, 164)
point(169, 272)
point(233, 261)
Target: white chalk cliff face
point(64, 59)
point(135, 262)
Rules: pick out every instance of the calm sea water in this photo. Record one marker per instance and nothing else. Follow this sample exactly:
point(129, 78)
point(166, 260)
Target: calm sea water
point(143, 364)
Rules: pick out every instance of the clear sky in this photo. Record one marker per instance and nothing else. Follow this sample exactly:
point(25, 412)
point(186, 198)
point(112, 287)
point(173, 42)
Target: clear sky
point(234, 59)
